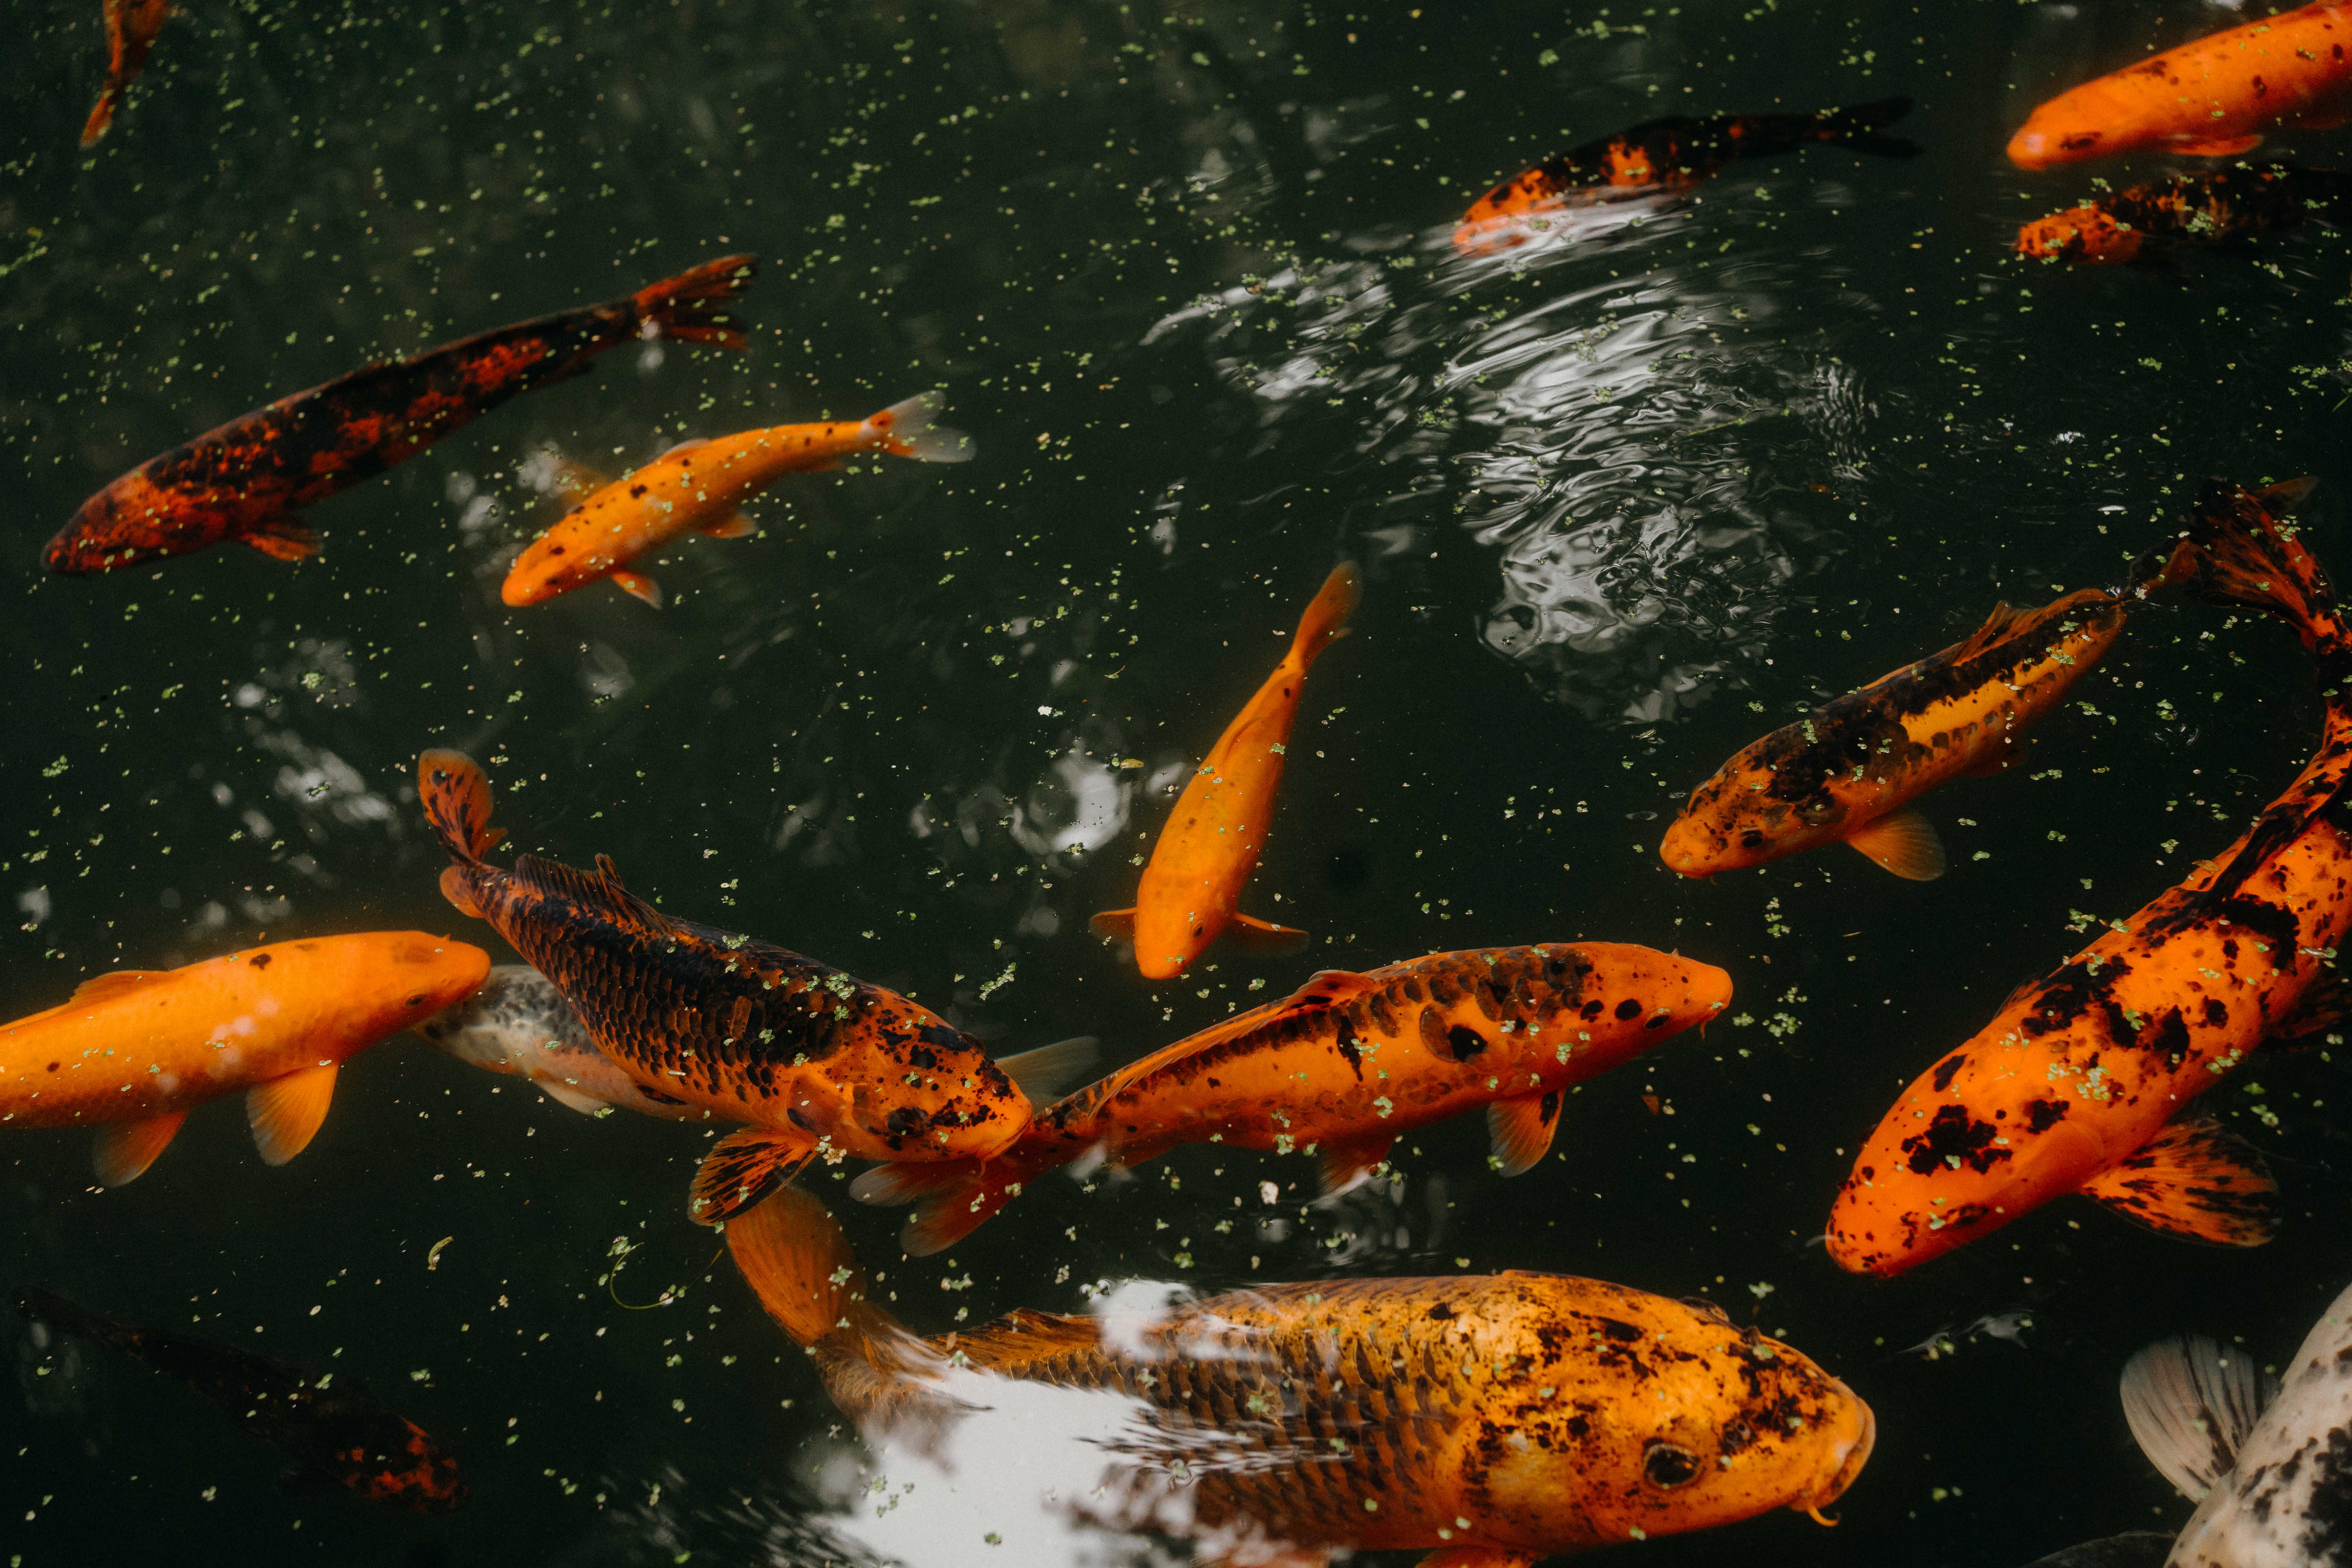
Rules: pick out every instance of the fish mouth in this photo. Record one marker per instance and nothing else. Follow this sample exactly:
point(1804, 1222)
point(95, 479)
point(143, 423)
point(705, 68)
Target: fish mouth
point(2030, 150)
point(1851, 1456)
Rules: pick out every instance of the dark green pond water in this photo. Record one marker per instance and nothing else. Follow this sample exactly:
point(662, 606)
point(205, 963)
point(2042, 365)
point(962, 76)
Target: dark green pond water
point(1622, 504)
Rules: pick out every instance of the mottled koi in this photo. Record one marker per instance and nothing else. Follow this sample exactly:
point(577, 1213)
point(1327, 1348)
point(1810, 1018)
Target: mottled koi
point(2150, 222)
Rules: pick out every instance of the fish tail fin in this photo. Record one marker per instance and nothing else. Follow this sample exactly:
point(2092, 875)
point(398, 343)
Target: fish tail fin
point(1325, 620)
point(953, 1197)
point(905, 429)
point(2244, 556)
point(102, 114)
point(690, 307)
point(50, 1310)
point(792, 1253)
point(456, 800)
point(1858, 126)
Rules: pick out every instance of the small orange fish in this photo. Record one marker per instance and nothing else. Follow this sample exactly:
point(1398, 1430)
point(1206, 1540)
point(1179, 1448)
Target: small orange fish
point(2147, 223)
point(2079, 1082)
point(697, 486)
point(130, 29)
point(1343, 1067)
point(1487, 1420)
point(1670, 154)
point(1848, 771)
point(2212, 98)
point(1214, 837)
point(136, 1049)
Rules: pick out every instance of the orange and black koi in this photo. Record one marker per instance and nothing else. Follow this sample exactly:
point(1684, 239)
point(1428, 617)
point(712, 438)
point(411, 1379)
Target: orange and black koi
point(2150, 222)
point(130, 29)
point(333, 1429)
point(242, 480)
point(2078, 1083)
point(1671, 154)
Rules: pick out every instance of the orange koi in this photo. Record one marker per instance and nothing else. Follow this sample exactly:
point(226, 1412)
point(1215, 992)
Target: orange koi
point(1849, 770)
point(2212, 98)
point(697, 486)
point(2078, 1083)
point(130, 29)
point(2150, 222)
point(1487, 1420)
point(241, 480)
point(135, 1050)
point(1342, 1067)
point(1214, 837)
point(1670, 154)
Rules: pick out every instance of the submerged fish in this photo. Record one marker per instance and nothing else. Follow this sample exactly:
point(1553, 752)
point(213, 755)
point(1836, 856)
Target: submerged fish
point(130, 29)
point(2132, 1549)
point(2211, 98)
point(1671, 154)
point(2270, 1485)
point(134, 1050)
point(518, 1024)
point(2078, 1083)
point(1210, 845)
point(337, 1435)
point(1489, 1420)
point(697, 486)
point(243, 480)
point(816, 1062)
point(2147, 223)
point(1343, 1067)
point(1848, 771)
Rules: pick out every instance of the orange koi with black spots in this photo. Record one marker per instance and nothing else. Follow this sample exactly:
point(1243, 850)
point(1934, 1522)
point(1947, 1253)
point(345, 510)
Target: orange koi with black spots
point(2150, 222)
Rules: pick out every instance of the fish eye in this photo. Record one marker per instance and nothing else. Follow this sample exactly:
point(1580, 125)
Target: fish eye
point(1666, 1465)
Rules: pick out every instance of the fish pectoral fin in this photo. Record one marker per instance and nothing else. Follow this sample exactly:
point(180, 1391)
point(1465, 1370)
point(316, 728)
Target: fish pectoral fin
point(2219, 147)
point(1999, 758)
point(571, 1099)
point(1346, 1162)
point(1256, 935)
point(2332, 116)
point(2191, 1402)
point(2283, 497)
point(1467, 1556)
point(281, 539)
point(637, 585)
point(2325, 1004)
point(1284, 1557)
point(734, 525)
point(2194, 1180)
point(742, 1168)
point(1521, 1130)
point(1114, 924)
point(99, 987)
point(1997, 625)
point(1904, 842)
point(1042, 1074)
point(285, 1113)
point(128, 1148)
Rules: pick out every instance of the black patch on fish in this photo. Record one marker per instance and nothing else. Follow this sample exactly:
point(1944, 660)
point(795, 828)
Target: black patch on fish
point(2044, 1114)
point(1346, 1044)
point(2217, 1012)
point(1442, 1314)
point(1463, 1042)
point(2067, 993)
point(2170, 1037)
point(904, 1121)
point(1618, 1330)
point(2271, 924)
point(2327, 1530)
point(1948, 1070)
point(1954, 1133)
point(260, 961)
point(1629, 1008)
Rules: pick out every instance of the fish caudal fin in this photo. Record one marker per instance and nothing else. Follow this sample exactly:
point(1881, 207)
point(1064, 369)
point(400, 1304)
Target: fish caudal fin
point(2195, 1181)
point(1904, 842)
point(285, 1113)
point(796, 1261)
point(905, 430)
point(2244, 557)
point(1325, 620)
point(953, 1197)
point(102, 114)
point(125, 1149)
point(2189, 1404)
point(456, 800)
point(281, 539)
point(690, 307)
point(1520, 1129)
point(742, 1168)
point(1858, 126)
point(1043, 1073)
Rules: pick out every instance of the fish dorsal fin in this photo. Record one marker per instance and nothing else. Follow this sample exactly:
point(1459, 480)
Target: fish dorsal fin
point(1521, 1129)
point(1329, 988)
point(285, 1113)
point(2195, 1181)
point(1904, 842)
point(1043, 1073)
point(599, 892)
point(2191, 1402)
point(1997, 625)
point(104, 988)
point(744, 1167)
point(2325, 1004)
point(128, 1148)
point(1344, 1161)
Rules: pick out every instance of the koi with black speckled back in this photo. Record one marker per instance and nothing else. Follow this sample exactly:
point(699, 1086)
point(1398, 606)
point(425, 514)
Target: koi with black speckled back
point(2150, 222)
point(2079, 1082)
point(1671, 154)
point(242, 480)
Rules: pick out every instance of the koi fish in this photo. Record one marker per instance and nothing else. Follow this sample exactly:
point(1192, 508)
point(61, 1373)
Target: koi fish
point(1343, 1066)
point(2147, 223)
point(1849, 770)
point(134, 1050)
point(1487, 1420)
point(2132, 1549)
point(130, 29)
point(816, 1062)
point(340, 1437)
point(2212, 98)
point(1214, 836)
point(1670, 154)
point(518, 1024)
point(241, 480)
point(2078, 1083)
point(2268, 1482)
point(696, 487)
